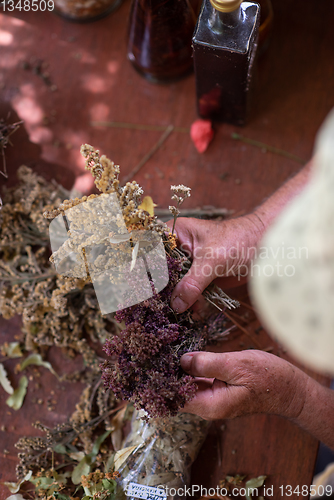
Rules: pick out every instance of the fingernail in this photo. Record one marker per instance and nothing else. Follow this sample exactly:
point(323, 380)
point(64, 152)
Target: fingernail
point(186, 361)
point(179, 305)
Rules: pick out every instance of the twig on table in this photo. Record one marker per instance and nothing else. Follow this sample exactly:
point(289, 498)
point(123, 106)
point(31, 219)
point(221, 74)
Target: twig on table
point(155, 148)
point(135, 126)
point(201, 212)
point(5, 132)
point(95, 388)
point(248, 306)
point(246, 332)
point(266, 147)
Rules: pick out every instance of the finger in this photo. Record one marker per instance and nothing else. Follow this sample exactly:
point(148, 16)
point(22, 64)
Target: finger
point(190, 288)
point(221, 366)
point(200, 309)
point(209, 400)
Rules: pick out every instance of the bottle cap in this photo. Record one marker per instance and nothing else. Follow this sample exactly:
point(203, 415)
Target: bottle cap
point(226, 5)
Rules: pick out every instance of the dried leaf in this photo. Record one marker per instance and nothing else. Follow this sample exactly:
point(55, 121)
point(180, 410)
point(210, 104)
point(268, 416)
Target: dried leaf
point(61, 496)
point(110, 463)
point(82, 469)
point(97, 444)
point(77, 455)
point(255, 482)
point(14, 487)
point(44, 483)
point(15, 401)
point(4, 380)
point(117, 424)
point(109, 485)
point(122, 455)
point(116, 438)
point(36, 359)
point(61, 449)
point(12, 350)
point(148, 205)
point(51, 484)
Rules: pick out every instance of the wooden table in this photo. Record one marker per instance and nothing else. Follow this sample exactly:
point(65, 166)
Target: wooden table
point(93, 81)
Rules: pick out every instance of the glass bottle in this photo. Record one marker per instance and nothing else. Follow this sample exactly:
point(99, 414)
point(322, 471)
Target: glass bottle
point(159, 38)
point(224, 45)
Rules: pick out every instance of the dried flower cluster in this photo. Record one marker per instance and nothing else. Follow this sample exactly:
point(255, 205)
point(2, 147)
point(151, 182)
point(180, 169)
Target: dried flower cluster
point(54, 310)
point(75, 436)
point(180, 193)
point(147, 371)
point(145, 357)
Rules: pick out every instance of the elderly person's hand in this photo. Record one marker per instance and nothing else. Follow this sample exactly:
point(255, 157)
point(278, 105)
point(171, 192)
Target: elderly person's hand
point(240, 383)
point(221, 249)
point(247, 382)
point(226, 248)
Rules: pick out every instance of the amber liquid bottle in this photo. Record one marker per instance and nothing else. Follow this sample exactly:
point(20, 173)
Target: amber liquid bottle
point(224, 44)
point(159, 38)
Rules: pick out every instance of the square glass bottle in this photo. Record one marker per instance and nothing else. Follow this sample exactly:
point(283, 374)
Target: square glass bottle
point(224, 47)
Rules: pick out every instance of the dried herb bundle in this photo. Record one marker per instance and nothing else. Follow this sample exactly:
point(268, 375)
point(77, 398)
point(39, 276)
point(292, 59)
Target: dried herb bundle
point(55, 310)
point(147, 369)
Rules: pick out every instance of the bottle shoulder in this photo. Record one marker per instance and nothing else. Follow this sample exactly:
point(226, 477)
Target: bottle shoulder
point(233, 38)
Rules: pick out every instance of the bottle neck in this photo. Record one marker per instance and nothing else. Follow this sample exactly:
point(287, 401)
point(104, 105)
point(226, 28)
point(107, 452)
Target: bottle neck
point(220, 20)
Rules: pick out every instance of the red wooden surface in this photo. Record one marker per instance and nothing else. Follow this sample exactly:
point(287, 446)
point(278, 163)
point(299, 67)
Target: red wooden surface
point(87, 63)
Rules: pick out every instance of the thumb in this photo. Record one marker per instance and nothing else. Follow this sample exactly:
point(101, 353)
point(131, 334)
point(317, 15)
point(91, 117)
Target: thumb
point(207, 365)
point(192, 285)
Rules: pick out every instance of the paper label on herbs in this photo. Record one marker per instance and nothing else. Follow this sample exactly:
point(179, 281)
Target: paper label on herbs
point(135, 491)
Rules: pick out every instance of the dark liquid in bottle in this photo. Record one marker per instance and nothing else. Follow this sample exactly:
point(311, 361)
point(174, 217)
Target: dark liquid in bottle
point(159, 43)
point(224, 58)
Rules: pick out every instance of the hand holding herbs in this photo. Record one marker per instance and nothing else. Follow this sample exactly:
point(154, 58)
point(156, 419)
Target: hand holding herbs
point(241, 383)
point(143, 365)
point(221, 252)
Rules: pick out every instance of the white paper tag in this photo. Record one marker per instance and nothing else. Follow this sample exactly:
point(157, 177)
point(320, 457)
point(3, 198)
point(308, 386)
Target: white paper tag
point(135, 491)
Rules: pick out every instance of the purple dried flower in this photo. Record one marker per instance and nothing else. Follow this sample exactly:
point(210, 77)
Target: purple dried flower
point(147, 368)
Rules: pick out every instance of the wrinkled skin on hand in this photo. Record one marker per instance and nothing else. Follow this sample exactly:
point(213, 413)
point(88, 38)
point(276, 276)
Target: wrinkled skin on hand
point(241, 383)
point(220, 250)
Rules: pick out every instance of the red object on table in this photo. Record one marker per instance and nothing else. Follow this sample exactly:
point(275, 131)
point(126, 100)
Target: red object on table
point(201, 133)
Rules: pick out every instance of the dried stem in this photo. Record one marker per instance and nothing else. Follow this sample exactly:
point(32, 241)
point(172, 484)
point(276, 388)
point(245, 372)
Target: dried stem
point(267, 147)
point(246, 332)
point(155, 148)
point(134, 126)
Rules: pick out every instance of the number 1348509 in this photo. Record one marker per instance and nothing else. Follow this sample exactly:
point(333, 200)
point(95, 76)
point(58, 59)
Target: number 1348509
point(27, 5)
